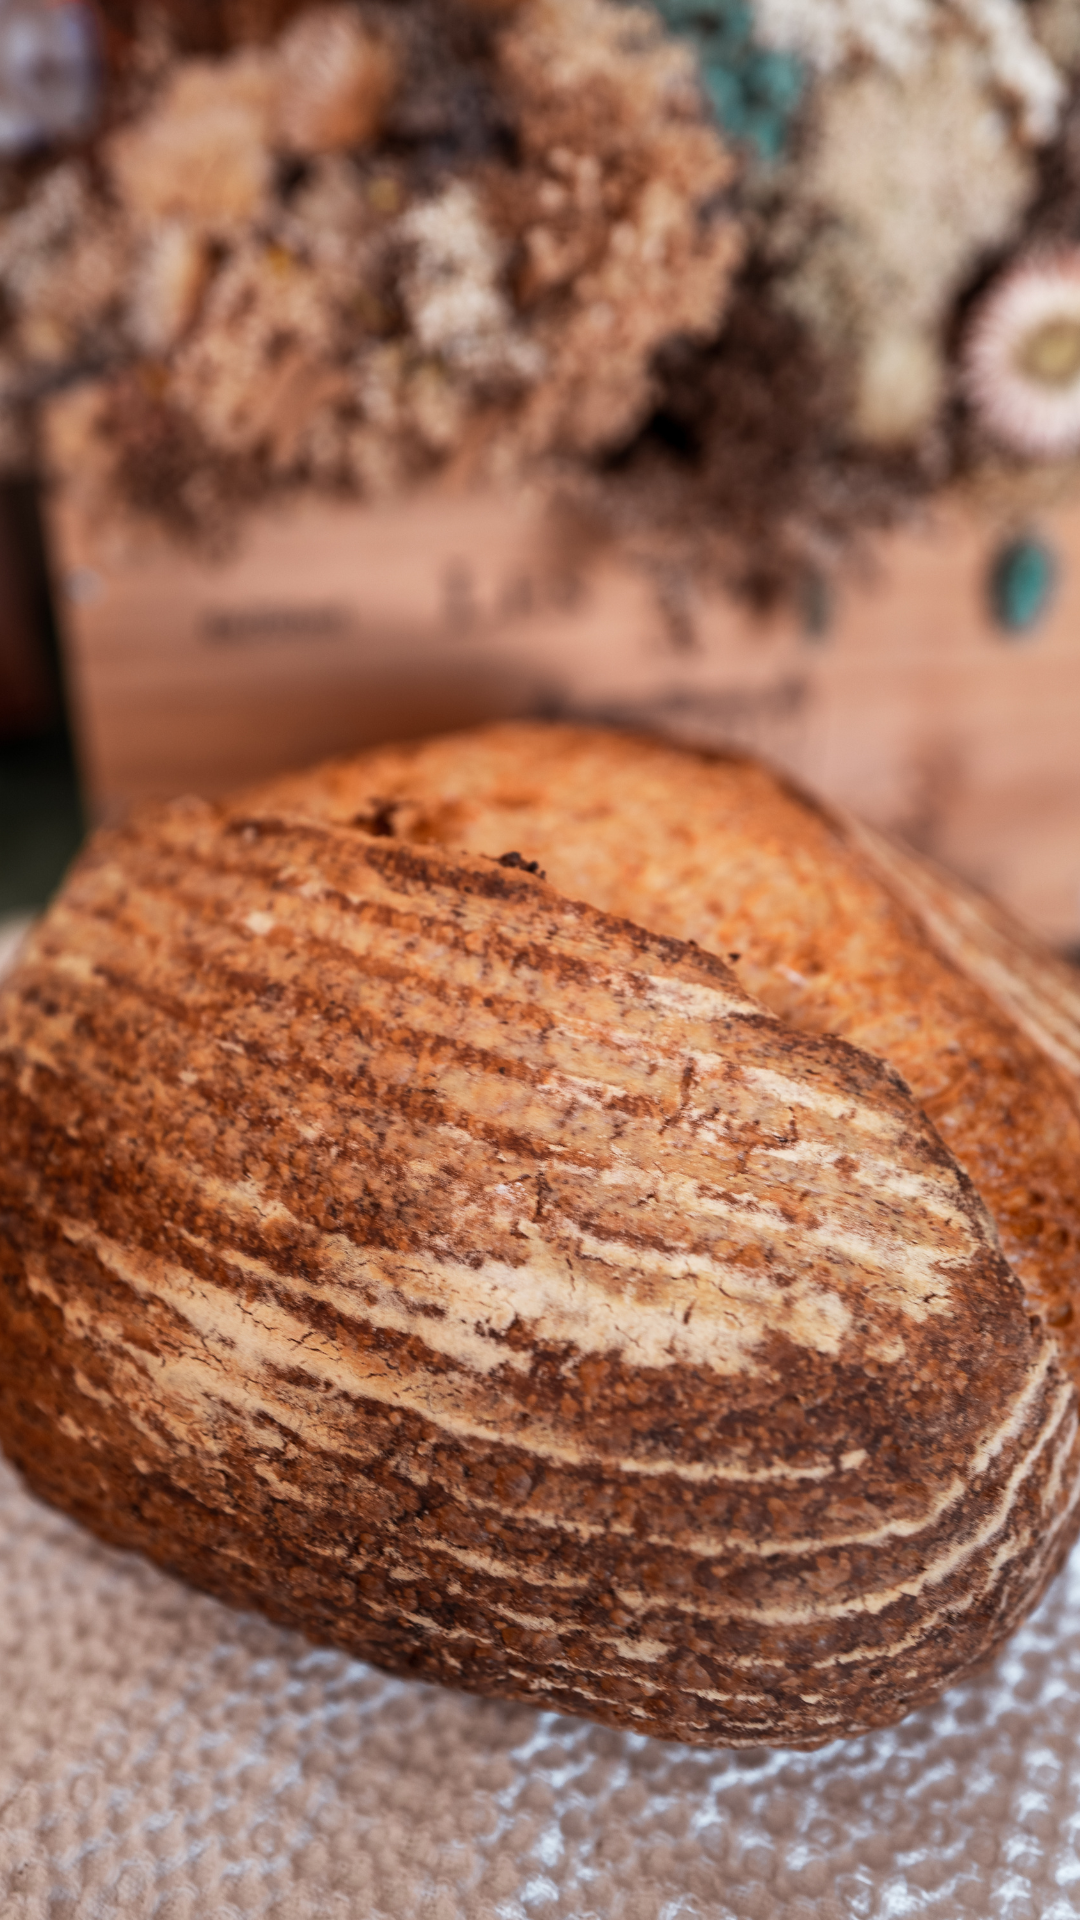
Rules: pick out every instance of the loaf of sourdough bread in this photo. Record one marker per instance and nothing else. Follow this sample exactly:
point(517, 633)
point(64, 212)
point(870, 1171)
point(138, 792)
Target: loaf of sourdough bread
point(555, 1214)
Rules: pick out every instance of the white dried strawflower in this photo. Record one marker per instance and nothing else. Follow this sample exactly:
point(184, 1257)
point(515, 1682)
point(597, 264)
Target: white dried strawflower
point(453, 293)
point(1022, 69)
point(901, 34)
point(827, 32)
point(335, 81)
point(1021, 363)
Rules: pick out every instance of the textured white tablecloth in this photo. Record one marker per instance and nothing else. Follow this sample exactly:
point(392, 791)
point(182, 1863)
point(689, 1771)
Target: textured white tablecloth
point(162, 1758)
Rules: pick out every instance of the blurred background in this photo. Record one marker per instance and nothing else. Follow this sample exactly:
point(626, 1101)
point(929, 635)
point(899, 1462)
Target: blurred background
point(41, 813)
point(50, 92)
point(375, 368)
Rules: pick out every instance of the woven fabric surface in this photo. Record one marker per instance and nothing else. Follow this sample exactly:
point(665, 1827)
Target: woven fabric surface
point(163, 1758)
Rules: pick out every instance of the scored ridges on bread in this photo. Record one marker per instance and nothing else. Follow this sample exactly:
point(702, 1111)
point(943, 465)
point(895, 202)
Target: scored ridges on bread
point(493, 1285)
point(836, 930)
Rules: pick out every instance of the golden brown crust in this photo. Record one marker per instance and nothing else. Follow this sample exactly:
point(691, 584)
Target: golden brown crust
point(493, 1287)
point(836, 932)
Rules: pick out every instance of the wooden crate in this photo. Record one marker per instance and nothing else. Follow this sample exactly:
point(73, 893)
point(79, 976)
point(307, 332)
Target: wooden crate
point(335, 626)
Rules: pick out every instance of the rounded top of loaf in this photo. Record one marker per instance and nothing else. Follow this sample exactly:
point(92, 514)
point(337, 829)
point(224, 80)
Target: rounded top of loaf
point(833, 928)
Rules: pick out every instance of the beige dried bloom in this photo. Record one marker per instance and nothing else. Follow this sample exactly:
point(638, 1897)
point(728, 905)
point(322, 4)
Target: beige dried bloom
point(379, 377)
point(247, 374)
point(334, 82)
point(201, 152)
point(901, 385)
point(64, 261)
point(329, 219)
point(560, 48)
point(656, 278)
point(47, 219)
point(1056, 26)
point(453, 292)
point(335, 224)
point(67, 299)
point(335, 326)
point(620, 250)
point(919, 178)
point(382, 450)
point(436, 407)
point(375, 464)
point(168, 285)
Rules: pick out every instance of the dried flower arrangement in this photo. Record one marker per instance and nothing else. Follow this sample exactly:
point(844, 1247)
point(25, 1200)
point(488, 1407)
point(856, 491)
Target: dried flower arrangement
point(763, 272)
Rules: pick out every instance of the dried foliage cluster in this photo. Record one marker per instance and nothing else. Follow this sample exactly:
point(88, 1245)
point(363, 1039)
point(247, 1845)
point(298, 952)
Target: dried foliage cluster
point(393, 239)
point(761, 269)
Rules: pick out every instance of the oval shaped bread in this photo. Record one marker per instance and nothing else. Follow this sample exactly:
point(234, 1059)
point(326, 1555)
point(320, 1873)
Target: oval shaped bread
point(519, 1292)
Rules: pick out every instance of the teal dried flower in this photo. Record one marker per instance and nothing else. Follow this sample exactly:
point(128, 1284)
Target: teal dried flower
point(753, 90)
